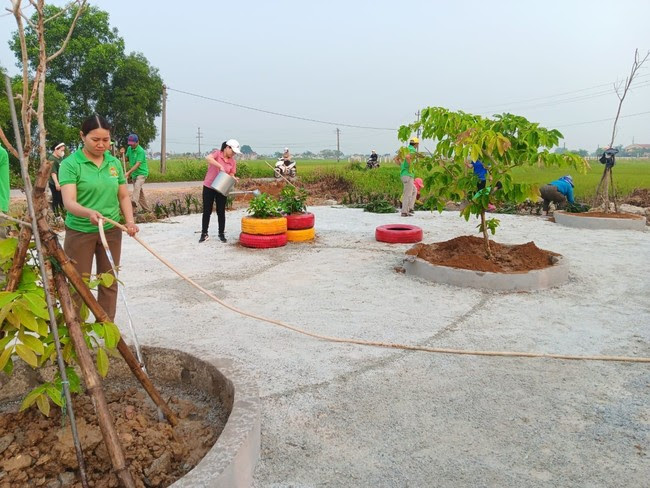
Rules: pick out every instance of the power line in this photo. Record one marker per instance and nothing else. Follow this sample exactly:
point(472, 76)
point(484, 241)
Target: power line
point(278, 113)
point(556, 95)
point(604, 120)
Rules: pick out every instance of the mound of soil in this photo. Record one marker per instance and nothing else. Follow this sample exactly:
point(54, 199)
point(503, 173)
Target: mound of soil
point(39, 451)
point(467, 252)
point(639, 198)
point(608, 215)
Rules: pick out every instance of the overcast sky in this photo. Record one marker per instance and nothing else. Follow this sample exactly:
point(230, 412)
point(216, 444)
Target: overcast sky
point(375, 63)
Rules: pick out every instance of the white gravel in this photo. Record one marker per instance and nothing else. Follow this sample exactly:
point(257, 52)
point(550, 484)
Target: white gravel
point(346, 415)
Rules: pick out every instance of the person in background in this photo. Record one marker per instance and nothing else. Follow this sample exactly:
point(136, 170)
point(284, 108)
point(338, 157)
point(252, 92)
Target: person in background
point(93, 185)
point(5, 191)
point(407, 176)
point(58, 151)
point(286, 155)
point(559, 192)
point(481, 173)
point(138, 171)
point(218, 160)
point(419, 184)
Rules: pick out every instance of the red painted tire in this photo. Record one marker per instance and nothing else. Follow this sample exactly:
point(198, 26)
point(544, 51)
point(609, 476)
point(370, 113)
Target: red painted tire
point(300, 221)
point(398, 233)
point(262, 241)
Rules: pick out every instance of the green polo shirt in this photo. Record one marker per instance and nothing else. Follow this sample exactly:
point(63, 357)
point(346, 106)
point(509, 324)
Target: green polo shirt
point(135, 155)
point(56, 164)
point(4, 180)
point(405, 168)
point(96, 187)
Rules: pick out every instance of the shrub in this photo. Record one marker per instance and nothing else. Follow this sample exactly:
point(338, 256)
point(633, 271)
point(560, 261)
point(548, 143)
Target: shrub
point(264, 206)
point(293, 200)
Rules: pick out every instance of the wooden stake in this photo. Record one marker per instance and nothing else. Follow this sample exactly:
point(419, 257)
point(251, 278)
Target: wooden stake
point(93, 383)
point(16, 270)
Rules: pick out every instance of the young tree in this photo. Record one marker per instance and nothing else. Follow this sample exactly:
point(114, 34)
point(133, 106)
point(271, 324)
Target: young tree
point(501, 143)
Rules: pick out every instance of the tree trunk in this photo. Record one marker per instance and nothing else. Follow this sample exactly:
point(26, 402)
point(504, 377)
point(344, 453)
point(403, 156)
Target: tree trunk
point(486, 239)
point(16, 270)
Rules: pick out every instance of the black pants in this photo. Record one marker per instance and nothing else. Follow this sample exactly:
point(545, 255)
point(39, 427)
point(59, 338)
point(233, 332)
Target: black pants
point(57, 200)
point(209, 197)
point(481, 185)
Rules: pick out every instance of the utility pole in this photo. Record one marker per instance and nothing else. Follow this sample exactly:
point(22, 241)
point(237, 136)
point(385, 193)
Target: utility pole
point(199, 136)
point(338, 145)
point(163, 132)
point(418, 118)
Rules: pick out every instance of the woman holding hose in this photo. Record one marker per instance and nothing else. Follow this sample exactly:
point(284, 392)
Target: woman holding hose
point(93, 185)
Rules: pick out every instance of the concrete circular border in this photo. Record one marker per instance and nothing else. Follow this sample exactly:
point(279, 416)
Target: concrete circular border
point(569, 220)
point(537, 279)
point(232, 459)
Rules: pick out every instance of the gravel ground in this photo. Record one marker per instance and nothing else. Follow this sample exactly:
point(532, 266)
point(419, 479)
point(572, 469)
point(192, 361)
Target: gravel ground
point(348, 415)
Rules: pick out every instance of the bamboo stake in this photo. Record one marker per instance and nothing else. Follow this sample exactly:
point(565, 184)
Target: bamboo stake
point(16, 270)
point(93, 384)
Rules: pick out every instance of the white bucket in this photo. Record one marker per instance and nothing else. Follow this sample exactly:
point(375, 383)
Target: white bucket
point(223, 183)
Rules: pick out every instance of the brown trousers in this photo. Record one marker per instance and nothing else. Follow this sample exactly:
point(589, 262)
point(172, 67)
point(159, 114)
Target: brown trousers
point(81, 247)
point(138, 193)
point(550, 193)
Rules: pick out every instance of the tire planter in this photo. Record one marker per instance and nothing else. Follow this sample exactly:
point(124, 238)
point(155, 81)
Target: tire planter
point(297, 221)
point(252, 225)
point(398, 233)
point(262, 241)
point(301, 235)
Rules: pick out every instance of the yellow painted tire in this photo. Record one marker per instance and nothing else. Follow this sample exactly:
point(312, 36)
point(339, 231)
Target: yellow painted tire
point(301, 235)
point(263, 227)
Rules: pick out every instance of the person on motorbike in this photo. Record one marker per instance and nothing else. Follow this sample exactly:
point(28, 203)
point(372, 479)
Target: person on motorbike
point(286, 156)
point(373, 161)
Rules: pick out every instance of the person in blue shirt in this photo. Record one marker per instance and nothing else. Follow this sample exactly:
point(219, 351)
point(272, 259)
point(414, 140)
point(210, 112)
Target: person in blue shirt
point(481, 173)
point(559, 192)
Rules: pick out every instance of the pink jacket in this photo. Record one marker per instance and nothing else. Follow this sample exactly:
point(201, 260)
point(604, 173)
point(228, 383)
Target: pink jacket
point(229, 164)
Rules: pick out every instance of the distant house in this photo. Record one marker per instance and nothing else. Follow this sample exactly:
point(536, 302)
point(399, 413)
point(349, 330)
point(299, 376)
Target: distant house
point(640, 150)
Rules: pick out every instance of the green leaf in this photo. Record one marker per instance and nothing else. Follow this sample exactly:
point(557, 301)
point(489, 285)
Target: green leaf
point(111, 335)
point(54, 394)
point(9, 367)
point(102, 362)
point(43, 404)
point(4, 357)
point(32, 342)
point(36, 305)
point(73, 379)
point(27, 355)
point(31, 397)
point(26, 317)
point(7, 296)
point(43, 328)
point(98, 329)
point(8, 248)
point(107, 279)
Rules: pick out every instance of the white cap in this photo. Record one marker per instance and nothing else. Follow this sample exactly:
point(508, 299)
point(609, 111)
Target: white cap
point(286, 148)
point(234, 145)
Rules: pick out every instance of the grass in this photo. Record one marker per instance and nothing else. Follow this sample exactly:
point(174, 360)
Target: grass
point(628, 175)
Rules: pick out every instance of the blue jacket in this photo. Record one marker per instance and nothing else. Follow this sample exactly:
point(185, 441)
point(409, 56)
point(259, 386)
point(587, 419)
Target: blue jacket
point(564, 188)
point(479, 170)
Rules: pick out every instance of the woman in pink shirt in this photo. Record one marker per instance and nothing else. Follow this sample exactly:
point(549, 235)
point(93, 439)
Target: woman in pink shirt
point(218, 160)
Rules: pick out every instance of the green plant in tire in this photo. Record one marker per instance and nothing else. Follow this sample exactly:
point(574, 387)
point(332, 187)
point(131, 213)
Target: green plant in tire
point(501, 143)
point(293, 200)
point(264, 206)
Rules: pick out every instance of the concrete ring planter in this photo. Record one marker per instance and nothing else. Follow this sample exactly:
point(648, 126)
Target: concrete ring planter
point(231, 460)
point(578, 221)
point(537, 279)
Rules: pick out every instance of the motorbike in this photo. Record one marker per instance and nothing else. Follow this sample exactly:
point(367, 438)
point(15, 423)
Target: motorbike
point(372, 163)
point(285, 167)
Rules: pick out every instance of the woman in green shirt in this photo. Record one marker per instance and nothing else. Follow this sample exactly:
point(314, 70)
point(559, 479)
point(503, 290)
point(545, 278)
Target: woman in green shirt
point(93, 185)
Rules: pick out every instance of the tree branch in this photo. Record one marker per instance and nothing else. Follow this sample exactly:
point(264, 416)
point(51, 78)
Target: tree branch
point(7, 144)
point(82, 5)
